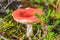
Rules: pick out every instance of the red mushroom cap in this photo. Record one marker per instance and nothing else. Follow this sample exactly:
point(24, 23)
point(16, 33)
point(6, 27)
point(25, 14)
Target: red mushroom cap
point(26, 15)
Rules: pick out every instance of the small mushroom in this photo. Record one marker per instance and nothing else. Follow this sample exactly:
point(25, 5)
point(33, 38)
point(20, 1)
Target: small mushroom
point(26, 16)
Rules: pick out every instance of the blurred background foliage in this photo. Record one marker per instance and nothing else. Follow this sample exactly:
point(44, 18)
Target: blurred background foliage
point(12, 30)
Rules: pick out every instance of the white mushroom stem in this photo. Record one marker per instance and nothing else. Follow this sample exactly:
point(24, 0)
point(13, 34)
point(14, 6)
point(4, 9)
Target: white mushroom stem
point(29, 30)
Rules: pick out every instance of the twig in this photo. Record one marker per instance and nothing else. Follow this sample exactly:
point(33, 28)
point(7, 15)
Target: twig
point(37, 32)
point(15, 36)
point(8, 4)
point(45, 30)
point(3, 37)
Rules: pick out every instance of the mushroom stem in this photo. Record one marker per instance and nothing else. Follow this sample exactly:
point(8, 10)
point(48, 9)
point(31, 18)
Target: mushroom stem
point(29, 30)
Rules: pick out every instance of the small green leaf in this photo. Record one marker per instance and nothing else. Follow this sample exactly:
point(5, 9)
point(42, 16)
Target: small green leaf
point(36, 15)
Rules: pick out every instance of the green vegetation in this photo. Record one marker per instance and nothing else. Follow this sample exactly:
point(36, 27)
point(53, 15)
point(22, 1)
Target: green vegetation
point(11, 29)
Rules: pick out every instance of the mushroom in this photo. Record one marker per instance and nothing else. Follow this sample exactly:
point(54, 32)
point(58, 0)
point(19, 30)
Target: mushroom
point(26, 16)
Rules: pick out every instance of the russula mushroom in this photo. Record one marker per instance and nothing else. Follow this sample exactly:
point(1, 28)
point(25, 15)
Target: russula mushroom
point(26, 16)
